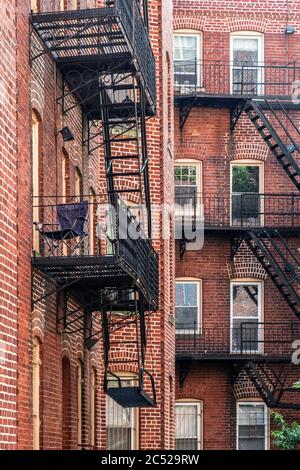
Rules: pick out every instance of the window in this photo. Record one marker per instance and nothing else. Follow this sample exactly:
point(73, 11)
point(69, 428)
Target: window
point(36, 144)
point(187, 184)
point(66, 405)
point(93, 407)
point(92, 221)
point(187, 306)
point(246, 317)
point(187, 55)
point(188, 425)
point(121, 423)
point(246, 189)
point(252, 426)
point(36, 365)
point(78, 184)
point(79, 404)
point(34, 5)
point(246, 58)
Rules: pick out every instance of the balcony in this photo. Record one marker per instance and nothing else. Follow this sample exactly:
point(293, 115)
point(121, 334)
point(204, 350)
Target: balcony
point(261, 341)
point(93, 249)
point(98, 45)
point(229, 82)
point(238, 211)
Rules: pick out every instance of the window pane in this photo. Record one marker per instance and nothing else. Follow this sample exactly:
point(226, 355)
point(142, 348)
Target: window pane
point(245, 179)
point(246, 339)
point(185, 47)
point(186, 444)
point(245, 301)
point(187, 427)
point(186, 294)
point(245, 50)
point(251, 427)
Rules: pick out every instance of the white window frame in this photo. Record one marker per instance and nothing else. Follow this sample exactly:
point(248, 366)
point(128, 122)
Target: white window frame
point(250, 282)
point(248, 35)
point(199, 406)
point(261, 169)
point(199, 54)
point(198, 282)
point(266, 418)
point(134, 412)
point(199, 183)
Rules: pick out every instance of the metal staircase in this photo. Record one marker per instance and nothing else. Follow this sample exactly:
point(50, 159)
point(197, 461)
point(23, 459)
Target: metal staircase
point(265, 125)
point(271, 382)
point(279, 262)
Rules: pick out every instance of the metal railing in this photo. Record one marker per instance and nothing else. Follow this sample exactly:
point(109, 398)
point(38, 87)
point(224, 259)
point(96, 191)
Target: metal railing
point(273, 339)
point(235, 78)
point(106, 233)
point(239, 209)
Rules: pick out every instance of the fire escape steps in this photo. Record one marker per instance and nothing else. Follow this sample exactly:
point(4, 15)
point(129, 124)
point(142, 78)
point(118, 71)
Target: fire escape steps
point(280, 150)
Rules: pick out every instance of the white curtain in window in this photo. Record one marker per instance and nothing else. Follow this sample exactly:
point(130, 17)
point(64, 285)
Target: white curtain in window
point(245, 50)
point(186, 421)
point(185, 47)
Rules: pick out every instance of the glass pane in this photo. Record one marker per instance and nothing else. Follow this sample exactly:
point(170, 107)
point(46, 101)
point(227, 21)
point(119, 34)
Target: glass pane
point(186, 421)
point(185, 47)
point(118, 438)
point(245, 50)
point(186, 444)
point(246, 209)
point(246, 338)
point(186, 195)
point(246, 79)
point(186, 317)
point(245, 301)
point(185, 175)
point(245, 179)
point(251, 427)
point(251, 444)
point(186, 294)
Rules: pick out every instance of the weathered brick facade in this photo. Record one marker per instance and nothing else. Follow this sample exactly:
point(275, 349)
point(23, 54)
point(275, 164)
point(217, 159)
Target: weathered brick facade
point(34, 89)
point(206, 138)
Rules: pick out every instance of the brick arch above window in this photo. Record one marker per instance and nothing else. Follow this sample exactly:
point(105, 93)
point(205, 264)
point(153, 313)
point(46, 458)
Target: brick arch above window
point(38, 324)
point(257, 25)
point(249, 151)
point(243, 387)
point(191, 22)
point(245, 265)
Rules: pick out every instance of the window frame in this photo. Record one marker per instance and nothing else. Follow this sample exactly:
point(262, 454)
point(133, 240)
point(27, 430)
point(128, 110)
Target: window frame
point(248, 282)
point(248, 35)
point(199, 406)
point(134, 416)
point(36, 390)
point(199, 55)
point(261, 169)
point(266, 419)
point(198, 282)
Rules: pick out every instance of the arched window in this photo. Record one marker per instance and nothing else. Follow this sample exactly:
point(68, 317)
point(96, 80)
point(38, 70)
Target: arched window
point(66, 404)
point(78, 185)
point(79, 403)
point(188, 431)
point(36, 148)
point(36, 379)
point(92, 220)
point(93, 409)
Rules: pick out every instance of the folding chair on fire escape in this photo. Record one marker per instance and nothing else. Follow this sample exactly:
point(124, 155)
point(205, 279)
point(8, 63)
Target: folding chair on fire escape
point(69, 234)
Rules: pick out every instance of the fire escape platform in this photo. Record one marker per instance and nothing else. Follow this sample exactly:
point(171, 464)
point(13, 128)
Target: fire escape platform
point(87, 44)
point(92, 273)
point(235, 358)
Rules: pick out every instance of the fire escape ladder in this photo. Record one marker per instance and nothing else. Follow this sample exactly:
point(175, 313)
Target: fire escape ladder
point(140, 392)
point(125, 146)
point(273, 256)
point(283, 152)
point(271, 384)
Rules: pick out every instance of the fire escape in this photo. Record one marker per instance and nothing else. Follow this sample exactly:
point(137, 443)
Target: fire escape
point(108, 71)
point(263, 222)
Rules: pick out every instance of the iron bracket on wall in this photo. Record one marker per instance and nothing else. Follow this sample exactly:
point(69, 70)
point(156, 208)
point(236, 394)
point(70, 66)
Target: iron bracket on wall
point(184, 112)
point(235, 244)
point(184, 368)
point(236, 113)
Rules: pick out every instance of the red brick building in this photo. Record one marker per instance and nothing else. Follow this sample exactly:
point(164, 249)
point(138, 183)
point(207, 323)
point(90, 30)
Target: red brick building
point(236, 164)
point(89, 326)
point(85, 120)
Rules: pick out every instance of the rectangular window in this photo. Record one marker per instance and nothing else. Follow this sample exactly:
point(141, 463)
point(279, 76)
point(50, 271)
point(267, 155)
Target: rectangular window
point(246, 201)
point(188, 426)
point(187, 184)
point(247, 70)
point(187, 61)
point(187, 306)
point(252, 426)
point(121, 424)
point(246, 327)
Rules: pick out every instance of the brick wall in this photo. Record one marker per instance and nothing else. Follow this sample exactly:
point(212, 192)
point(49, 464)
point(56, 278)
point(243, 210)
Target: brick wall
point(206, 138)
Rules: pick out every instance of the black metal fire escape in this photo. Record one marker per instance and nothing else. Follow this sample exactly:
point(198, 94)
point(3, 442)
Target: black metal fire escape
point(108, 69)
